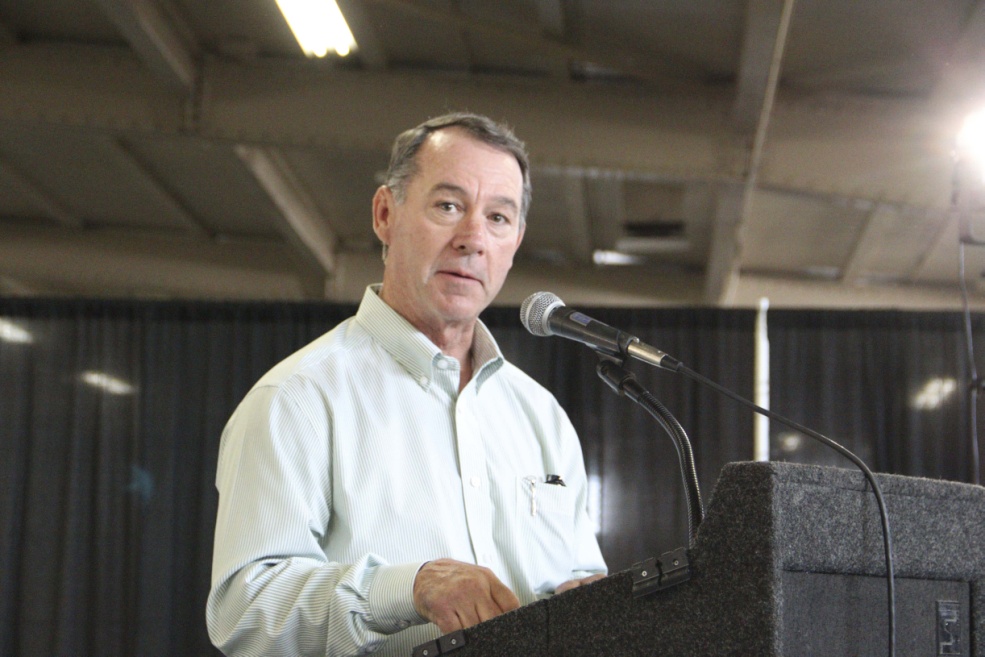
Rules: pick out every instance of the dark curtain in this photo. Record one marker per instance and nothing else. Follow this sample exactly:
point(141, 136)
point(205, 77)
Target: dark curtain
point(891, 386)
point(107, 500)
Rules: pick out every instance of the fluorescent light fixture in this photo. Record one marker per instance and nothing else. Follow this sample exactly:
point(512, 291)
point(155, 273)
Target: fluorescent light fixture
point(653, 245)
point(934, 393)
point(107, 382)
point(10, 332)
point(319, 26)
point(600, 257)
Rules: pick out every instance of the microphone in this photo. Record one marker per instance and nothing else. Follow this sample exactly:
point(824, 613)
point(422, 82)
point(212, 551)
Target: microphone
point(544, 314)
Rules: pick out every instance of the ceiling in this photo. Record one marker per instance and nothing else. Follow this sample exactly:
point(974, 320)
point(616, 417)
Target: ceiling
point(800, 151)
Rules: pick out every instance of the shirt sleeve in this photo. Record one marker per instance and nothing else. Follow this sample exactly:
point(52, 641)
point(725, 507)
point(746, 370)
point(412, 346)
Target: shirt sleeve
point(273, 589)
point(587, 556)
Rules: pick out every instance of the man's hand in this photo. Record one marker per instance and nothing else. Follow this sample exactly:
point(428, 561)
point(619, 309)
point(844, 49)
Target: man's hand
point(454, 595)
point(575, 583)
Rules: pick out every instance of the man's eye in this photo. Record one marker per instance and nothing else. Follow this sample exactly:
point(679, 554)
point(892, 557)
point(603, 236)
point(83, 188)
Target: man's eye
point(500, 219)
point(447, 206)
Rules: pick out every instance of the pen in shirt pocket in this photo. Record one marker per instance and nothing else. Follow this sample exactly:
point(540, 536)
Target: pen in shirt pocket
point(552, 479)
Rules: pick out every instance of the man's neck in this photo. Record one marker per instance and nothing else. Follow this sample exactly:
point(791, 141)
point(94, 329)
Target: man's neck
point(456, 343)
point(454, 340)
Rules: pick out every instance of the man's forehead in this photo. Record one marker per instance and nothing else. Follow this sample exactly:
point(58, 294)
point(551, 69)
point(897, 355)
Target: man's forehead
point(445, 151)
point(455, 138)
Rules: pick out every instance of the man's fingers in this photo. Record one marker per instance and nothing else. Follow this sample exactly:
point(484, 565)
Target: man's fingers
point(566, 586)
point(486, 609)
point(575, 583)
point(454, 595)
point(466, 617)
point(504, 598)
point(447, 623)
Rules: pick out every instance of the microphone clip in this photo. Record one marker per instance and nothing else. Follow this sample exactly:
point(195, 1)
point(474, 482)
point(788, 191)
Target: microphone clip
point(610, 370)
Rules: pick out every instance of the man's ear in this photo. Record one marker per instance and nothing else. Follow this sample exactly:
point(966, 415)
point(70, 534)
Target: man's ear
point(383, 205)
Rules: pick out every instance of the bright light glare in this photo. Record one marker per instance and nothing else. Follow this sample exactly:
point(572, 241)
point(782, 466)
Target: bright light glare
point(971, 139)
point(10, 332)
point(606, 258)
point(934, 393)
point(319, 26)
point(790, 442)
point(107, 382)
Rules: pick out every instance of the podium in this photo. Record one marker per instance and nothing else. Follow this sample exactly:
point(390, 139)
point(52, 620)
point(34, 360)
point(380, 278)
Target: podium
point(788, 561)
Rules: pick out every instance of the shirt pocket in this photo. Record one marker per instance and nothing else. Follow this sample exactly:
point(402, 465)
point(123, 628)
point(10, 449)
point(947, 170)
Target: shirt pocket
point(545, 519)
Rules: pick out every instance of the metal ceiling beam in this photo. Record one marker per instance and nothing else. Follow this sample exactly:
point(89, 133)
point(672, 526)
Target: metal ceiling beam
point(762, 24)
point(850, 147)
point(16, 288)
point(843, 74)
point(118, 262)
point(302, 223)
point(872, 232)
point(725, 258)
point(90, 87)
point(578, 229)
point(663, 68)
point(550, 14)
point(370, 48)
point(52, 208)
point(7, 36)
point(962, 77)
point(895, 243)
point(168, 197)
point(159, 37)
point(721, 274)
point(793, 293)
point(298, 104)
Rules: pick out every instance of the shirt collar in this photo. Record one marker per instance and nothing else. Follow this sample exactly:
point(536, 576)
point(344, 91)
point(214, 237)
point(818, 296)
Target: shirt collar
point(413, 350)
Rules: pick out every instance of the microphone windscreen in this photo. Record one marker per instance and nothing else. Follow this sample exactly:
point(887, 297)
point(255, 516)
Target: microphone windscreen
point(536, 310)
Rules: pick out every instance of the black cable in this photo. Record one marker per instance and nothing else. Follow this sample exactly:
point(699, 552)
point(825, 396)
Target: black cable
point(883, 514)
point(623, 382)
point(974, 385)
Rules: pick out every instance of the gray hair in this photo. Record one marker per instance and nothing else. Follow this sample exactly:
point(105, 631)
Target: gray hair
point(403, 157)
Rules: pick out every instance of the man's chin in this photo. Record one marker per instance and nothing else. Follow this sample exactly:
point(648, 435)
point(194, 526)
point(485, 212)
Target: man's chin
point(461, 308)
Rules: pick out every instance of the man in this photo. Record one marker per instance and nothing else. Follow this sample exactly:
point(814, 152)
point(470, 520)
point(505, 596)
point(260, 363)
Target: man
point(397, 479)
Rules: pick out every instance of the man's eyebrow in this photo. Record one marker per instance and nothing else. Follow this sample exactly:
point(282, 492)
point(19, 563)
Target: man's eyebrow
point(458, 189)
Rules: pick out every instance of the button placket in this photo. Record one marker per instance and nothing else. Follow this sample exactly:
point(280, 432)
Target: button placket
point(472, 464)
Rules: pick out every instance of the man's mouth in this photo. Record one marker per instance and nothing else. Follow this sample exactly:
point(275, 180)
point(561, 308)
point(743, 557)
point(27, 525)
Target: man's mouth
point(459, 274)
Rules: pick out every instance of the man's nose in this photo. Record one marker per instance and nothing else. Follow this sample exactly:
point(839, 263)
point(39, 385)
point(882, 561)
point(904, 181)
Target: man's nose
point(470, 234)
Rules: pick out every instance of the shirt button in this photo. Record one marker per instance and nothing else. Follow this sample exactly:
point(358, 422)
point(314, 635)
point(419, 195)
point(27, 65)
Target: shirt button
point(403, 624)
point(423, 380)
point(475, 481)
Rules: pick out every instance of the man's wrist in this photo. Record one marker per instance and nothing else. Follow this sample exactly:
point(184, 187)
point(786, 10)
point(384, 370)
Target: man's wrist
point(391, 598)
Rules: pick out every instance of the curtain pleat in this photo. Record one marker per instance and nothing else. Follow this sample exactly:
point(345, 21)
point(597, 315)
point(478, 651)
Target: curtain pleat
point(891, 386)
point(107, 498)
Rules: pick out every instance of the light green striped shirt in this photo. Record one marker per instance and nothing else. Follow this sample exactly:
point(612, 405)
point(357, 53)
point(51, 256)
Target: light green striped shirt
point(356, 459)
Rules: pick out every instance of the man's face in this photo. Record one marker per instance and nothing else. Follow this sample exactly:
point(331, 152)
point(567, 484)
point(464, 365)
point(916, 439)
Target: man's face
point(452, 239)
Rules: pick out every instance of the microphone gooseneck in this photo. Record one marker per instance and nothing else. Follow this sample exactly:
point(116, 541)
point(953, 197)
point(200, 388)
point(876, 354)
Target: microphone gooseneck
point(544, 314)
